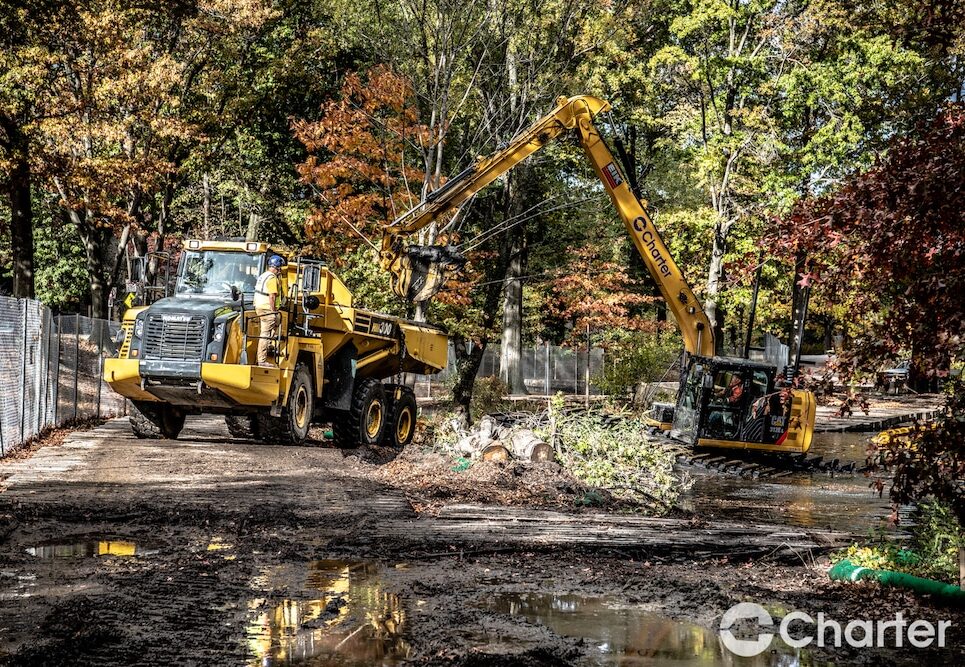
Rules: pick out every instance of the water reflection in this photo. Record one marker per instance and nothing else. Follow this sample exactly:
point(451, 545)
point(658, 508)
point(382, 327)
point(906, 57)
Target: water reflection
point(349, 620)
point(844, 502)
point(623, 635)
point(84, 549)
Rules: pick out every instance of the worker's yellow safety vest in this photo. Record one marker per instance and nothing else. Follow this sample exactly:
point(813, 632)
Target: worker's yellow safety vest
point(262, 299)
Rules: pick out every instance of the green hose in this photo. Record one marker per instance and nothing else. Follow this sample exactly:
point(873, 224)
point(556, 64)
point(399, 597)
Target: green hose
point(847, 571)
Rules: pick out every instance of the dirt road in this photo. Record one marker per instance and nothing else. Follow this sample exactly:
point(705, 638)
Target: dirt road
point(208, 550)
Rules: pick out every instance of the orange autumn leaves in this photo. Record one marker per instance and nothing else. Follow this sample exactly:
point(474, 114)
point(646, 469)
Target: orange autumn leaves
point(363, 163)
point(599, 293)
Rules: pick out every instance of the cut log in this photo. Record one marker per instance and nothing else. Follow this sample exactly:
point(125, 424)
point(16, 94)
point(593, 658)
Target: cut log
point(495, 451)
point(487, 431)
point(527, 446)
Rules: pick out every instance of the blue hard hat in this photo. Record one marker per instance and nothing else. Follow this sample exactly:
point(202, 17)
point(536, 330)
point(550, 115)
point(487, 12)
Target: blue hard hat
point(276, 261)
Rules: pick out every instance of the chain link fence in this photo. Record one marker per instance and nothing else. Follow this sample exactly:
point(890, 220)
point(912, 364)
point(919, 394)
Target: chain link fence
point(50, 370)
point(546, 369)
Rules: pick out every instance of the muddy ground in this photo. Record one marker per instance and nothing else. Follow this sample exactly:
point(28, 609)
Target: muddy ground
point(208, 550)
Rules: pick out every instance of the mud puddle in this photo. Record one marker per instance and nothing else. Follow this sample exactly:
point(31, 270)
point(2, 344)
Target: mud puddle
point(335, 613)
point(617, 634)
point(89, 547)
point(843, 502)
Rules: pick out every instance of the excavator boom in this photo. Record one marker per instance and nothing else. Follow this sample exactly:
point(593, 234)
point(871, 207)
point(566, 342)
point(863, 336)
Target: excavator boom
point(415, 278)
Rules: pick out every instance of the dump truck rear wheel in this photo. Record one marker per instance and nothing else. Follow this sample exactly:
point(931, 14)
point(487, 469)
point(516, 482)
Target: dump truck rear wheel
point(402, 416)
point(156, 421)
point(242, 426)
point(366, 421)
point(296, 418)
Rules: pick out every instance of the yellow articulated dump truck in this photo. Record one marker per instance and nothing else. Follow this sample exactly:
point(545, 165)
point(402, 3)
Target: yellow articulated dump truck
point(325, 361)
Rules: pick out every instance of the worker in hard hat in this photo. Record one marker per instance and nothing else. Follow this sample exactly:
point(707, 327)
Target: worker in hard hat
point(268, 295)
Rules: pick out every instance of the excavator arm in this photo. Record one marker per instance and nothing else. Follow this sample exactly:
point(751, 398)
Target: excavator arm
point(418, 273)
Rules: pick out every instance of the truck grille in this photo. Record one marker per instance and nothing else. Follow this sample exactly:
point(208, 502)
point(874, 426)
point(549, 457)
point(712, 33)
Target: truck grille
point(174, 337)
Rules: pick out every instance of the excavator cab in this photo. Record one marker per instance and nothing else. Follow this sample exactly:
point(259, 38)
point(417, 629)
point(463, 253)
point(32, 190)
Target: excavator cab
point(736, 403)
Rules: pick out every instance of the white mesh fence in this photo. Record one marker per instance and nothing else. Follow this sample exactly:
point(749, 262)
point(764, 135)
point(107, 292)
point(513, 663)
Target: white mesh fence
point(546, 369)
point(50, 370)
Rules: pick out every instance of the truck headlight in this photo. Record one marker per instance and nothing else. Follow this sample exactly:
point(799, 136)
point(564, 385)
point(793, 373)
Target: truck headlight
point(138, 328)
point(219, 332)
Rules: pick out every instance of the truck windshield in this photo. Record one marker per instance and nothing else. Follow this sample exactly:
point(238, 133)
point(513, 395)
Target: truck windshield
point(215, 271)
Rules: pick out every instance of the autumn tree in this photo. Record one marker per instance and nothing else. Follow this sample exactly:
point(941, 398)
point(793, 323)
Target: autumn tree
point(362, 162)
point(892, 241)
point(28, 37)
point(123, 80)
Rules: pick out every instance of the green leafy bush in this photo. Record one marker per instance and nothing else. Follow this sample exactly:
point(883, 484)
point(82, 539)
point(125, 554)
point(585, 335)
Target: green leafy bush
point(488, 396)
point(932, 551)
point(639, 357)
point(616, 456)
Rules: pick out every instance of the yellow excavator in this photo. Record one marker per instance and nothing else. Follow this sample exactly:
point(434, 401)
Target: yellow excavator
point(722, 402)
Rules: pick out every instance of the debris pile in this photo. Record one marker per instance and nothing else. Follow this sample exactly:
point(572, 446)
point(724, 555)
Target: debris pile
point(553, 457)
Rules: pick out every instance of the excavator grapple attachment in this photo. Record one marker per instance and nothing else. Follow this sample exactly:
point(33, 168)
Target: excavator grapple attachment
point(421, 271)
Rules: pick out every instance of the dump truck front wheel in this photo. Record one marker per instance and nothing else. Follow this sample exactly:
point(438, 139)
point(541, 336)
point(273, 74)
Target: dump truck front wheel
point(296, 418)
point(402, 416)
point(156, 421)
point(366, 421)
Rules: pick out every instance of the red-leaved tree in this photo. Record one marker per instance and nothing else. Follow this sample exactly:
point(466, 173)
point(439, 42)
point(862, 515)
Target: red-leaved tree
point(892, 243)
point(362, 161)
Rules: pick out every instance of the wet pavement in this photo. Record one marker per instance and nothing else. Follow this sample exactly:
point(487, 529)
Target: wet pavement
point(339, 614)
point(617, 633)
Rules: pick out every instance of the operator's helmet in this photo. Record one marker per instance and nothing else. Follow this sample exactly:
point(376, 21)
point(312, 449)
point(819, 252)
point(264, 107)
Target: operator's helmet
point(276, 261)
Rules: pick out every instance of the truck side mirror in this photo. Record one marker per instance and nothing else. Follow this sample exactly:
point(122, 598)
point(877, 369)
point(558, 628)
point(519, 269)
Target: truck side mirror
point(311, 278)
point(235, 293)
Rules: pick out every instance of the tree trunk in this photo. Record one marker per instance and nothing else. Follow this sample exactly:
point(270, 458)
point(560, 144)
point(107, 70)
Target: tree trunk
point(93, 245)
point(468, 361)
point(514, 250)
point(154, 266)
point(714, 275)
point(828, 334)
point(510, 354)
point(797, 308)
point(206, 206)
point(21, 213)
point(254, 226)
point(467, 365)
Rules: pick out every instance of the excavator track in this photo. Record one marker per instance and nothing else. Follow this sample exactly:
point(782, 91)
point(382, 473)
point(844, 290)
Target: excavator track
point(756, 465)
